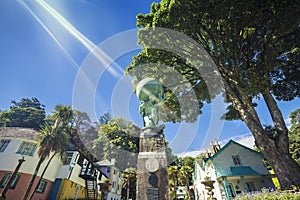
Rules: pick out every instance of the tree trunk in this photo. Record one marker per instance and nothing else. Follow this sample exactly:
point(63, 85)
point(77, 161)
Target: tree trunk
point(128, 188)
point(276, 149)
point(33, 178)
point(286, 168)
point(188, 189)
point(42, 175)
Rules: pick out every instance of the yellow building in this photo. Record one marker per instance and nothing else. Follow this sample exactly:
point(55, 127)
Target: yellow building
point(114, 176)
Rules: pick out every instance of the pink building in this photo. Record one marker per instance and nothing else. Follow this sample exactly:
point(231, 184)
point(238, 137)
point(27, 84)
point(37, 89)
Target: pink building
point(16, 143)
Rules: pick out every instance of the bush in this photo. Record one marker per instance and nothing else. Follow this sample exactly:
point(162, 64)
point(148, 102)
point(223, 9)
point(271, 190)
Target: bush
point(276, 195)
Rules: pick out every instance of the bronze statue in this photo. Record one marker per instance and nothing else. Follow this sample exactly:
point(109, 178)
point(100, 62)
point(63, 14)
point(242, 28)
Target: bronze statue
point(149, 91)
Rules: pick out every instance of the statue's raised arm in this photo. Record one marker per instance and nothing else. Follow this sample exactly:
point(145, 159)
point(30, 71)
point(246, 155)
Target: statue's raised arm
point(149, 92)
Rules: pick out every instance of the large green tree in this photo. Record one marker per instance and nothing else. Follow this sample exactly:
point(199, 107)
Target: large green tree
point(86, 129)
point(129, 184)
point(29, 113)
point(294, 135)
point(173, 181)
point(180, 174)
point(118, 139)
point(250, 47)
point(184, 176)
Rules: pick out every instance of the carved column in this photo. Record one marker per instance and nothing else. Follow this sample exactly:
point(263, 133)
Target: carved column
point(152, 174)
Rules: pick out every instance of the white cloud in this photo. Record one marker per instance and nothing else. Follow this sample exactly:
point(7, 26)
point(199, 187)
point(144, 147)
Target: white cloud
point(246, 140)
point(288, 122)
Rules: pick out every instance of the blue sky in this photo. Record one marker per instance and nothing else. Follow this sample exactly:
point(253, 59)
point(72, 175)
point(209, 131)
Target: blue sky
point(46, 44)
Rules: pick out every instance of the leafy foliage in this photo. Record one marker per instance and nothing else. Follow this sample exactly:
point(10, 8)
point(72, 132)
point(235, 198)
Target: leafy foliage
point(87, 130)
point(129, 184)
point(274, 195)
point(294, 135)
point(180, 174)
point(53, 139)
point(252, 44)
point(184, 176)
point(118, 139)
point(251, 48)
point(28, 113)
point(173, 181)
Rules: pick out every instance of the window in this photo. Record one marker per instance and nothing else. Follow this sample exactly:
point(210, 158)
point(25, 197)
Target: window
point(113, 184)
point(80, 160)
point(13, 183)
point(3, 144)
point(42, 186)
point(68, 158)
point(26, 148)
point(119, 187)
point(250, 186)
point(108, 170)
point(236, 160)
point(231, 190)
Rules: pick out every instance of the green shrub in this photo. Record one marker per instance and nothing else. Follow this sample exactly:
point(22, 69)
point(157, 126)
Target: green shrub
point(277, 195)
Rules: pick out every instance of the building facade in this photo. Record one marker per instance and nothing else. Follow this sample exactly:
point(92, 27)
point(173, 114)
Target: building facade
point(18, 143)
point(229, 171)
point(113, 176)
point(74, 177)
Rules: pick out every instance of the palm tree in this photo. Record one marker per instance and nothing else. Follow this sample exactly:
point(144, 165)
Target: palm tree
point(52, 139)
point(58, 142)
point(184, 177)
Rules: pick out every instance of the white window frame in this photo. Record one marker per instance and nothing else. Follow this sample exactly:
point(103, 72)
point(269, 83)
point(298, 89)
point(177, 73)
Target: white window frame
point(3, 144)
point(13, 183)
point(27, 148)
point(42, 186)
point(68, 158)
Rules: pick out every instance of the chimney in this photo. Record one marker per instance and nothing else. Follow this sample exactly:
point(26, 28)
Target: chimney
point(113, 161)
point(217, 146)
point(207, 154)
point(212, 148)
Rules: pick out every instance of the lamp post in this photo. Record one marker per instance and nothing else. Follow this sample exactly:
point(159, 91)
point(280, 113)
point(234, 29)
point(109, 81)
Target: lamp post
point(11, 178)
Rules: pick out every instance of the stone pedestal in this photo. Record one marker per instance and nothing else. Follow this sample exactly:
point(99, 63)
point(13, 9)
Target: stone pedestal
point(152, 173)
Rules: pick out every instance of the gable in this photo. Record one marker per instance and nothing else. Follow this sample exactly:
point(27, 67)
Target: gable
point(236, 159)
point(234, 145)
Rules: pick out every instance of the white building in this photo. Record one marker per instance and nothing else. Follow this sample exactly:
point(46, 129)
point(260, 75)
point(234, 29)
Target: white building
point(232, 170)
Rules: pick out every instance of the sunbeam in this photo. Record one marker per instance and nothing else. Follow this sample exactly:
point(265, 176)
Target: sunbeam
point(49, 32)
point(88, 82)
point(99, 54)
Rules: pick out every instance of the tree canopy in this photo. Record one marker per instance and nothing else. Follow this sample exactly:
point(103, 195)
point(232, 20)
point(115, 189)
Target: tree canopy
point(245, 50)
point(28, 113)
point(118, 139)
